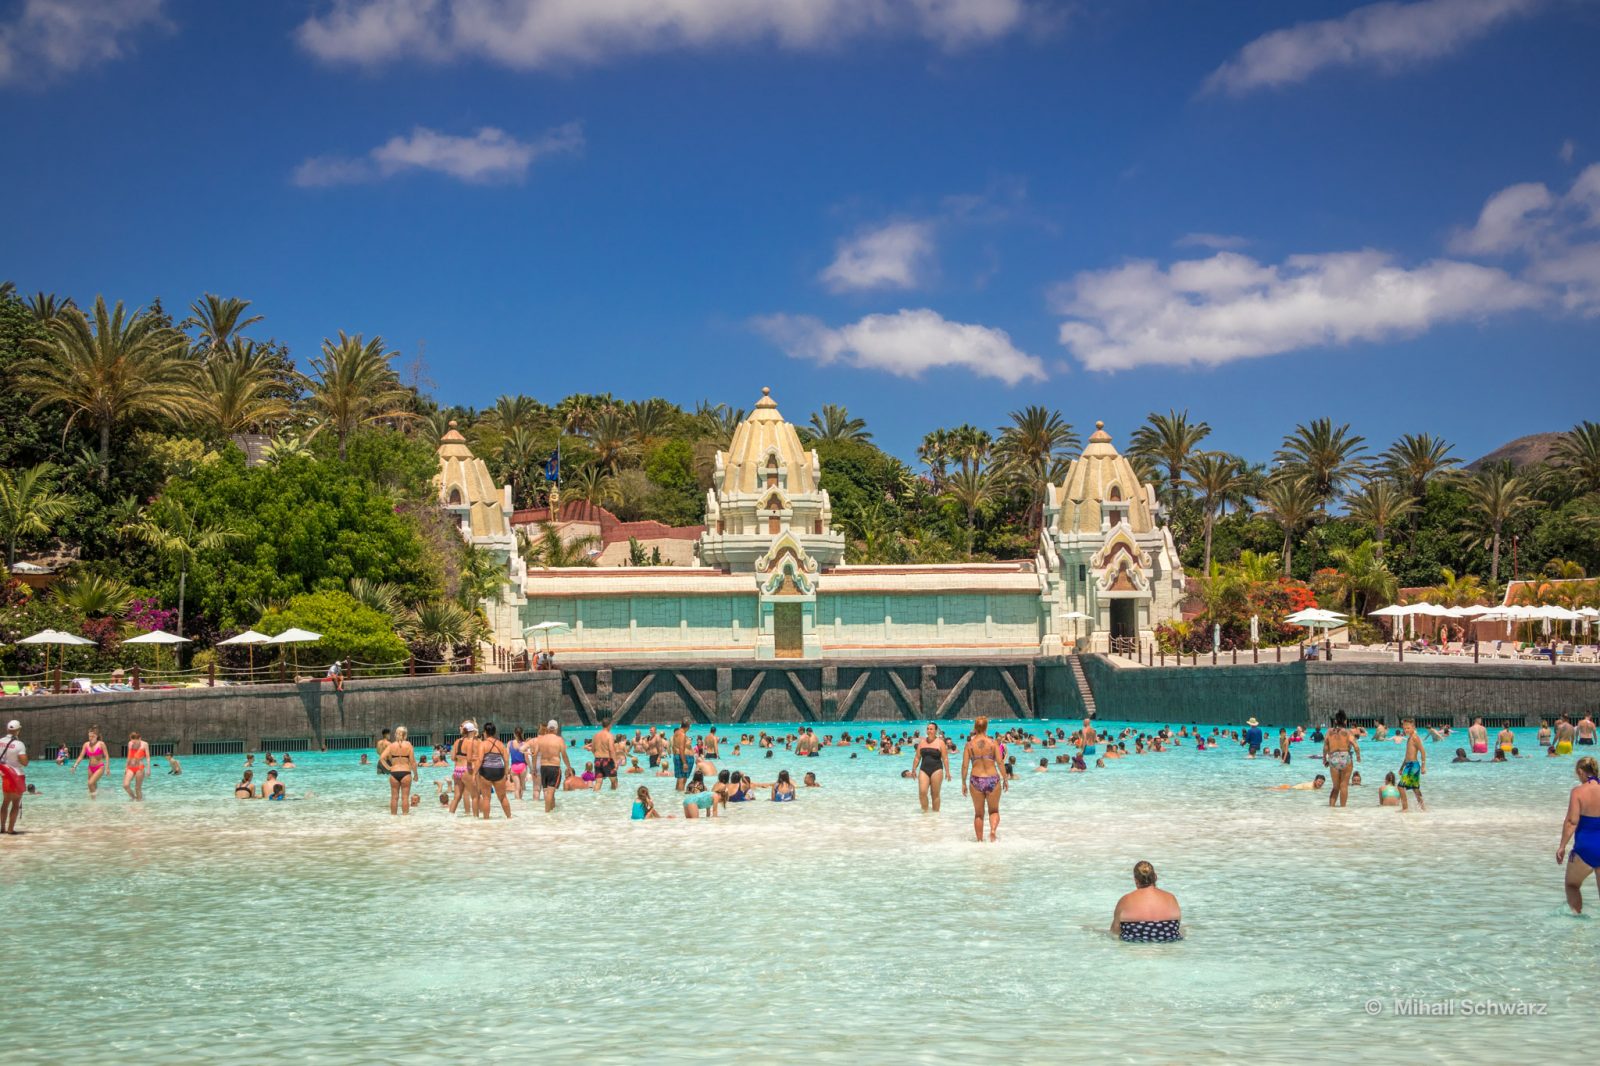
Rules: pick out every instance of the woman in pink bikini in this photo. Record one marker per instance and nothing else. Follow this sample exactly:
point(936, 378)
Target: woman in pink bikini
point(138, 767)
point(981, 778)
point(99, 759)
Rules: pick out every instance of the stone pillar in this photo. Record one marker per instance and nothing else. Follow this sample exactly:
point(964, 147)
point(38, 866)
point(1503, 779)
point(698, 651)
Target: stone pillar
point(930, 689)
point(830, 694)
point(602, 692)
point(724, 693)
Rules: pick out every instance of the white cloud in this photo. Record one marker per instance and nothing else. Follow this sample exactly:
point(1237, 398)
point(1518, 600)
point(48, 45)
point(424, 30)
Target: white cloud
point(1230, 307)
point(1557, 236)
point(490, 155)
point(905, 344)
point(1568, 149)
point(1218, 242)
point(540, 33)
point(892, 256)
point(47, 37)
point(1385, 35)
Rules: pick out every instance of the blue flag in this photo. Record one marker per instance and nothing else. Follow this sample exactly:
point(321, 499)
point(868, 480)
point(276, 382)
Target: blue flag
point(552, 466)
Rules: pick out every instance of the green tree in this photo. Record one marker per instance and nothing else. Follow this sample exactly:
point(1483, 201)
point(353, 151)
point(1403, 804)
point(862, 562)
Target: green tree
point(972, 488)
point(354, 384)
point(1495, 497)
point(833, 422)
point(239, 392)
point(1360, 578)
point(349, 629)
point(1169, 440)
point(1380, 503)
point(1577, 455)
point(220, 322)
point(29, 505)
point(1033, 450)
point(1324, 455)
point(120, 368)
point(176, 535)
point(1415, 460)
point(551, 551)
point(1292, 502)
point(1218, 479)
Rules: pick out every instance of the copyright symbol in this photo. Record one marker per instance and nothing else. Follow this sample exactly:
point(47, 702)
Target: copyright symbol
point(1374, 1006)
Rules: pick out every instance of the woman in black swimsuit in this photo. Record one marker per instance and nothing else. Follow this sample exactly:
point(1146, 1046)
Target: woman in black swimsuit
point(399, 761)
point(931, 768)
point(492, 761)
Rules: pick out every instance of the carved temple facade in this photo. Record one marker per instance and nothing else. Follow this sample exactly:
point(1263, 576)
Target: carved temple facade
point(769, 580)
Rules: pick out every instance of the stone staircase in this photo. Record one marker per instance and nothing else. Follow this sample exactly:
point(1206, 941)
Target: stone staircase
point(1082, 681)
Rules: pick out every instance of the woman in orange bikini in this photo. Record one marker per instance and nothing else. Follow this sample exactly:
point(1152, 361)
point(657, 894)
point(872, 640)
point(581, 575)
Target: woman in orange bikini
point(99, 760)
point(981, 759)
point(138, 767)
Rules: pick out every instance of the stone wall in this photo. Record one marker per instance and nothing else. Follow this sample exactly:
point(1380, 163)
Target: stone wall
point(1212, 695)
point(1454, 690)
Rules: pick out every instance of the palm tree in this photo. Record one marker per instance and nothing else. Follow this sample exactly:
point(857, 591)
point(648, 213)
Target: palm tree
point(46, 307)
point(716, 422)
point(29, 505)
point(174, 532)
point(1032, 448)
point(481, 578)
point(551, 551)
point(1494, 497)
point(120, 368)
point(1565, 570)
point(238, 393)
point(1218, 479)
point(1380, 504)
point(1577, 453)
point(971, 487)
point(1415, 459)
point(1361, 573)
point(382, 596)
point(286, 446)
point(591, 482)
point(94, 596)
point(970, 446)
point(834, 423)
point(356, 385)
point(220, 321)
point(1292, 502)
point(1456, 591)
point(650, 420)
point(611, 434)
point(521, 449)
point(934, 453)
point(511, 413)
point(1169, 440)
point(1324, 455)
point(439, 627)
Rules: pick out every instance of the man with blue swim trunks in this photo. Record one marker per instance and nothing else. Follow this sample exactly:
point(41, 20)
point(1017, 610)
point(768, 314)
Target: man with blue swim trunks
point(1252, 737)
point(682, 755)
point(1087, 739)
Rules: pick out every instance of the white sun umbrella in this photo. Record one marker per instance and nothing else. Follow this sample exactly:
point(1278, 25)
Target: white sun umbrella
point(1396, 611)
point(157, 637)
point(296, 636)
point(1075, 617)
point(546, 628)
point(48, 637)
point(250, 638)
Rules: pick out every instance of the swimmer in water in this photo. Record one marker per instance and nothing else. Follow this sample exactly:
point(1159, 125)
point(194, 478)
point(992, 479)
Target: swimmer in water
point(931, 768)
point(174, 768)
point(399, 761)
point(811, 780)
point(246, 788)
point(462, 753)
point(492, 761)
point(697, 801)
point(644, 807)
point(1389, 795)
point(1506, 740)
point(549, 755)
point(1415, 764)
point(1314, 785)
point(99, 760)
point(138, 767)
point(1582, 830)
point(1147, 914)
point(782, 788)
point(1479, 736)
point(981, 778)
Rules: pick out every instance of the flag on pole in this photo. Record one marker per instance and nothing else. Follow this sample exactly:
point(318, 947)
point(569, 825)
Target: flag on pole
point(552, 466)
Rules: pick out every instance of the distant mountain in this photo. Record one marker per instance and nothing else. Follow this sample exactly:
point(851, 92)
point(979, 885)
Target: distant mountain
point(1524, 451)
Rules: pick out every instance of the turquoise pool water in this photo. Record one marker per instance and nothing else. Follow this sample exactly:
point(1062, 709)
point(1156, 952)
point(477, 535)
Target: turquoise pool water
point(845, 927)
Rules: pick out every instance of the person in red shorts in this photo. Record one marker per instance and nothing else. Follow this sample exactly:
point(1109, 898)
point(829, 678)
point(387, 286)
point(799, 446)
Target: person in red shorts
point(13, 782)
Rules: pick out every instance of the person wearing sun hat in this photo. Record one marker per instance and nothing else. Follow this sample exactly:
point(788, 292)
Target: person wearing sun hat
point(13, 760)
point(1252, 737)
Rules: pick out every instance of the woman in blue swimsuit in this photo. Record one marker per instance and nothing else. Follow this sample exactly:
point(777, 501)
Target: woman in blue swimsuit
point(1582, 830)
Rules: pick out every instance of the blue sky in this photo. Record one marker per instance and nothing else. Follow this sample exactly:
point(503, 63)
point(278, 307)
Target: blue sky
point(931, 211)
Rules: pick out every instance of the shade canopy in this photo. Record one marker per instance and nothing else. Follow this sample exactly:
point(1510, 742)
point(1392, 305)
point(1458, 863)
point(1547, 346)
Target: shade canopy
point(51, 636)
point(545, 627)
point(249, 636)
point(295, 636)
point(157, 636)
point(1315, 616)
point(1076, 615)
point(1394, 610)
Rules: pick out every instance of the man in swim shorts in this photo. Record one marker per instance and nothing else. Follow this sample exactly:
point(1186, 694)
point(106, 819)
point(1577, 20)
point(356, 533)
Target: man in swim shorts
point(1564, 736)
point(549, 753)
point(1586, 730)
point(1253, 737)
point(13, 782)
point(1479, 737)
point(1414, 766)
point(682, 756)
point(604, 749)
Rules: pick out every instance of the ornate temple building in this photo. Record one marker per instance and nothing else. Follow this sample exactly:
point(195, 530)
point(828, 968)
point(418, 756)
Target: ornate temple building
point(768, 579)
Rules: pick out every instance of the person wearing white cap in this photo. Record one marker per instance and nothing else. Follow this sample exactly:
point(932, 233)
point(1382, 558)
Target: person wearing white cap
point(1253, 737)
point(549, 754)
point(13, 782)
point(464, 754)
